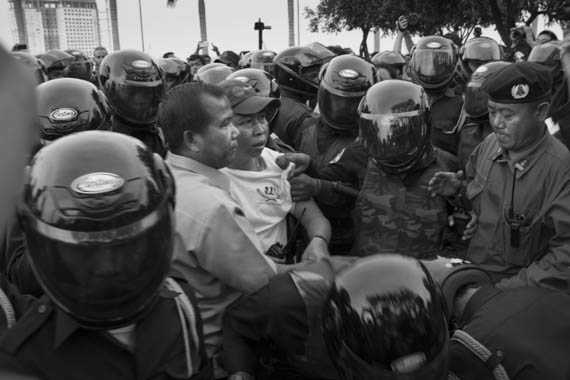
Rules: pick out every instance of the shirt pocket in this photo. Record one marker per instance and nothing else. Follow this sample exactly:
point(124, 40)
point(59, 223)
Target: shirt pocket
point(533, 241)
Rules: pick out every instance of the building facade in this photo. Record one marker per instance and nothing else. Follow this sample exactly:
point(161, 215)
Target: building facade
point(49, 24)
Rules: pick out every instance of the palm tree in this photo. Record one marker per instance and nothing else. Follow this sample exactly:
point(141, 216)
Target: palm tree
point(202, 15)
point(114, 24)
point(291, 18)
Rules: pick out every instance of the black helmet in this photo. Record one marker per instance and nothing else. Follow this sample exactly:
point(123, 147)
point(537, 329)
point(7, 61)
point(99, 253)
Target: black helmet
point(385, 319)
point(35, 65)
point(213, 73)
point(476, 99)
point(97, 214)
point(133, 84)
point(57, 63)
point(477, 52)
point(81, 67)
point(296, 69)
point(69, 105)
point(393, 124)
point(344, 82)
point(453, 274)
point(432, 63)
point(262, 59)
point(392, 61)
point(545, 53)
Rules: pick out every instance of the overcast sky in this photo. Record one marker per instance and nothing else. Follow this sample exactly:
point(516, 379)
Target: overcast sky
point(229, 22)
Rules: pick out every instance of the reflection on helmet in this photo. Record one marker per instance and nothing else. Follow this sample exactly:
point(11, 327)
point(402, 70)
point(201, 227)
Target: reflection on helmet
point(393, 125)
point(385, 319)
point(97, 214)
point(133, 84)
point(69, 105)
point(174, 72)
point(296, 69)
point(476, 52)
point(81, 67)
point(344, 82)
point(433, 60)
point(476, 99)
point(35, 65)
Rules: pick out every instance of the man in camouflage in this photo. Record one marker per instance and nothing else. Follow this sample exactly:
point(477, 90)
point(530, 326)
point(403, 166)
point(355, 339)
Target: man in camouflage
point(394, 210)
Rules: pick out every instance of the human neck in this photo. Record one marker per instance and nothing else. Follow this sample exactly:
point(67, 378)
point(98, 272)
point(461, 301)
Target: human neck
point(246, 162)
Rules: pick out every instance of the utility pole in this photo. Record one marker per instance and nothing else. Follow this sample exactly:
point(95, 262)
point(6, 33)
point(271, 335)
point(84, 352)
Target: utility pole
point(260, 27)
point(142, 29)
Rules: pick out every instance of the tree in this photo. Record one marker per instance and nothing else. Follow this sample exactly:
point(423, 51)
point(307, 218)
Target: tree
point(332, 16)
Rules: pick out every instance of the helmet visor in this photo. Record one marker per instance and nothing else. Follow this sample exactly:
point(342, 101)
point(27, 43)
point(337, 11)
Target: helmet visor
point(476, 101)
point(135, 103)
point(393, 138)
point(340, 109)
point(433, 66)
point(100, 283)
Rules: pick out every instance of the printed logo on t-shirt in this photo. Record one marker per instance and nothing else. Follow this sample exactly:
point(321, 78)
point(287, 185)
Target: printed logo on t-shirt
point(269, 194)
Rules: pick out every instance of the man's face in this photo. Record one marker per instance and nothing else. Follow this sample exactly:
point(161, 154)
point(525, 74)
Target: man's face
point(516, 125)
point(253, 133)
point(218, 143)
point(98, 56)
point(195, 65)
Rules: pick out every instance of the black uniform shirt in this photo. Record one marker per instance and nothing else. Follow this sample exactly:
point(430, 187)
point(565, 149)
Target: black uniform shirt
point(49, 344)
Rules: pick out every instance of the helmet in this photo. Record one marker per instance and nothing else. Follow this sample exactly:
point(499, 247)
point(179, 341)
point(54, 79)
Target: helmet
point(245, 60)
point(453, 274)
point(263, 60)
point(432, 63)
point(476, 52)
point(69, 105)
point(263, 83)
point(81, 67)
point(476, 98)
point(296, 69)
point(133, 84)
point(228, 58)
point(545, 53)
point(213, 73)
point(57, 63)
point(344, 82)
point(385, 319)
point(393, 124)
point(184, 69)
point(172, 72)
point(35, 65)
point(99, 226)
point(392, 61)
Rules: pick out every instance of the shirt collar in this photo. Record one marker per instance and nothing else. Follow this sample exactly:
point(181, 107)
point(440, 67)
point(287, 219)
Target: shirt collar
point(64, 327)
point(525, 159)
point(481, 297)
point(216, 177)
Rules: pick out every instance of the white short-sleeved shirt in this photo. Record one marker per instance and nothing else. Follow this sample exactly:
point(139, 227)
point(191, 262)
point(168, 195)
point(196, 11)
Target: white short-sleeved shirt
point(265, 198)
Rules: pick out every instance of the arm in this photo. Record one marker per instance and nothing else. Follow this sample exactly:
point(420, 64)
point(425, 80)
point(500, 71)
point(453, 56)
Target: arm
point(318, 229)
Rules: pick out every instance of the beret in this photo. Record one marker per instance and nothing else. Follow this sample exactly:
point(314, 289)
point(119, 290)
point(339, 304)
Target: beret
point(519, 82)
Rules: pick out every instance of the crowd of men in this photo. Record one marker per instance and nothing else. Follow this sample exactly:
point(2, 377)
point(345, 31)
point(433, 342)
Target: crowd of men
point(308, 214)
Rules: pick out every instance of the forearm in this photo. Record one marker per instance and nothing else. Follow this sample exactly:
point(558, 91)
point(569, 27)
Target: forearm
point(313, 219)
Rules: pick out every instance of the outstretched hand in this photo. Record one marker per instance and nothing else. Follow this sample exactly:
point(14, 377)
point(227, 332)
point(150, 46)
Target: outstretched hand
point(445, 183)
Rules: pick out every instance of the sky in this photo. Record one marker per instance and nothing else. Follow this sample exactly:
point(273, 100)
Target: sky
point(229, 25)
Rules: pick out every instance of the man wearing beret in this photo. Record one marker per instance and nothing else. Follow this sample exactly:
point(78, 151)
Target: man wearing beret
point(518, 185)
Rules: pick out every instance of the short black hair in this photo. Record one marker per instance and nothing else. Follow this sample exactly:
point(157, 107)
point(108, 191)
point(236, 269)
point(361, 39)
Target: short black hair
point(168, 54)
point(550, 34)
point(185, 108)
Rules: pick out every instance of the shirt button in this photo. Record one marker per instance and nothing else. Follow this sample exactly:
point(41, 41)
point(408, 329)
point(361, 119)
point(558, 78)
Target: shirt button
point(499, 353)
point(42, 309)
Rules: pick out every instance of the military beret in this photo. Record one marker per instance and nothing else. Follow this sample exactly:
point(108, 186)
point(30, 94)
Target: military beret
point(519, 82)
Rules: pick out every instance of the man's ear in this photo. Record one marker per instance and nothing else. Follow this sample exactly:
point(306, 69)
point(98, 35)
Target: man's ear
point(192, 141)
point(542, 110)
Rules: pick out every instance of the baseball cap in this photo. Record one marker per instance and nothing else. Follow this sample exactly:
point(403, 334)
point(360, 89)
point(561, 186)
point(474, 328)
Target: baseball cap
point(244, 99)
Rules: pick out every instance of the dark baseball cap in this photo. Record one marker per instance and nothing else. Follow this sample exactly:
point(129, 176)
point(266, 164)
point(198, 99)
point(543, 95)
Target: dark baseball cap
point(244, 99)
point(228, 57)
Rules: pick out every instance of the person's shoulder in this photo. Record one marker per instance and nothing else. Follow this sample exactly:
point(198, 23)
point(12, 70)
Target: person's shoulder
point(558, 153)
point(445, 159)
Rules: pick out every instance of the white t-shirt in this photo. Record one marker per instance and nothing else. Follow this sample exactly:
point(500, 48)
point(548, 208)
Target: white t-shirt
point(265, 198)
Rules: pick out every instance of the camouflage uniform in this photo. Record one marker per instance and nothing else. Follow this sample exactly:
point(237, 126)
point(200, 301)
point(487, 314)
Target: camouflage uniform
point(397, 214)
